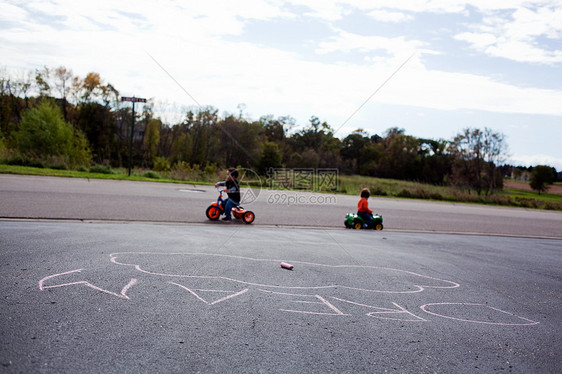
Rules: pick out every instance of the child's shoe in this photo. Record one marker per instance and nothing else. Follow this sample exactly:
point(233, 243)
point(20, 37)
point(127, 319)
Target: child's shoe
point(226, 218)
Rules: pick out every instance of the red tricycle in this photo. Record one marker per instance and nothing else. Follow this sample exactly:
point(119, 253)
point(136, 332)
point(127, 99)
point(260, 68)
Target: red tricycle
point(216, 208)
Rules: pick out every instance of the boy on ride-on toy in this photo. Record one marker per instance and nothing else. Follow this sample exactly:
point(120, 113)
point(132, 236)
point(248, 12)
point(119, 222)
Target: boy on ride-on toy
point(363, 210)
point(233, 191)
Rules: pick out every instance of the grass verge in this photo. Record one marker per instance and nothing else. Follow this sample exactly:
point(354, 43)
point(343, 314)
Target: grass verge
point(113, 174)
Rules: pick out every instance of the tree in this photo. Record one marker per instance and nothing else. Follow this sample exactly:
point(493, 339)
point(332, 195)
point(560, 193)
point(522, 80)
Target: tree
point(98, 124)
point(475, 154)
point(493, 152)
point(541, 177)
point(44, 133)
point(435, 160)
point(2, 145)
point(353, 144)
point(42, 78)
point(11, 105)
point(271, 157)
point(63, 85)
point(199, 126)
point(368, 158)
point(151, 140)
point(91, 86)
point(181, 149)
point(24, 84)
point(275, 129)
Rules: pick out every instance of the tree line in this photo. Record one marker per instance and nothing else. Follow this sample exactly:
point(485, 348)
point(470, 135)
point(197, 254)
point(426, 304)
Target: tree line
point(52, 117)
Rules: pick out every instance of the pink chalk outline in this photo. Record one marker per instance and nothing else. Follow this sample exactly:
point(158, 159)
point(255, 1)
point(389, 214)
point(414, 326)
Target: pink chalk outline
point(336, 312)
point(122, 294)
point(214, 302)
point(322, 301)
point(530, 322)
point(417, 288)
point(401, 310)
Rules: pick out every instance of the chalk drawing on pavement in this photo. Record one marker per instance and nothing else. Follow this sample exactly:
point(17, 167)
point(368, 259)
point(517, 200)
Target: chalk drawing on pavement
point(397, 281)
point(194, 274)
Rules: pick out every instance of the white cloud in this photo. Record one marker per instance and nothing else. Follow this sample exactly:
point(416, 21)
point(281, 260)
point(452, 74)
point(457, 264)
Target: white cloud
point(393, 17)
point(480, 41)
point(184, 39)
point(188, 40)
point(418, 6)
point(346, 42)
point(515, 34)
point(11, 13)
point(327, 10)
point(510, 29)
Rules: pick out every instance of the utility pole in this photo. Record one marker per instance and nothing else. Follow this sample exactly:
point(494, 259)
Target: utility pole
point(133, 100)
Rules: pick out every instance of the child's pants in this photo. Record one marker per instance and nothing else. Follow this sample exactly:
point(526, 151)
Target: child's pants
point(228, 207)
point(367, 217)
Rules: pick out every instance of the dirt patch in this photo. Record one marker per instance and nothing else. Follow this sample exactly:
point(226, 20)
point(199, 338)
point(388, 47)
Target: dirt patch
point(554, 189)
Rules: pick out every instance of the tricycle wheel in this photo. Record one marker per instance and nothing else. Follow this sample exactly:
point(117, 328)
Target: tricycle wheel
point(378, 226)
point(249, 217)
point(357, 225)
point(213, 213)
point(347, 225)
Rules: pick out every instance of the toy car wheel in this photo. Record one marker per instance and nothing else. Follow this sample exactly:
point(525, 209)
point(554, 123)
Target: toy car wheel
point(249, 217)
point(378, 226)
point(213, 213)
point(347, 225)
point(357, 225)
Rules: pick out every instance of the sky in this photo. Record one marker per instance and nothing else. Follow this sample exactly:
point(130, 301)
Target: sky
point(431, 67)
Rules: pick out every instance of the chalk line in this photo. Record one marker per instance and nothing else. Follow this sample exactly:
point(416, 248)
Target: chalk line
point(122, 294)
point(205, 301)
point(530, 322)
point(416, 288)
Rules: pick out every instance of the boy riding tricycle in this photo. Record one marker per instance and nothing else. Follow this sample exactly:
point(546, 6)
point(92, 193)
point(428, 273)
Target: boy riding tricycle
point(230, 206)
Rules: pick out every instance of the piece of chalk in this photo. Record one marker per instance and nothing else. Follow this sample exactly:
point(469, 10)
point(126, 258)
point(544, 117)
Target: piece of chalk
point(285, 265)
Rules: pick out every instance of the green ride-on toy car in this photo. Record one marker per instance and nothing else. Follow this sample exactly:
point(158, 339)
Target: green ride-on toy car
point(353, 221)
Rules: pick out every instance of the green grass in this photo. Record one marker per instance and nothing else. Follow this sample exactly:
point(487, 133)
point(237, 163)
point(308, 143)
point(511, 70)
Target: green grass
point(545, 197)
point(116, 174)
point(347, 184)
point(353, 184)
point(405, 189)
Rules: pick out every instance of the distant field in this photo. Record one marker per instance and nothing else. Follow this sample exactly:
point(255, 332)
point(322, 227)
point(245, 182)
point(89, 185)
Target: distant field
point(555, 189)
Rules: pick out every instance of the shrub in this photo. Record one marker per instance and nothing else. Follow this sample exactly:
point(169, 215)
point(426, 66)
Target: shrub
point(44, 133)
point(57, 162)
point(404, 193)
point(435, 196)
point(377, 191)
point(210, 170)
point(183, 171)
point(101, 169)
point(20, 160)
point(500, 200)
point(527, 203)
point(552, 206)
point(161, 164)
point(151, 174)
point(421, 193)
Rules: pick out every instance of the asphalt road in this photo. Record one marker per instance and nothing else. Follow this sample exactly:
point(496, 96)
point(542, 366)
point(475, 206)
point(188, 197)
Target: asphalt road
point(82, 199)
point(146, 298)
point(125, 277)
